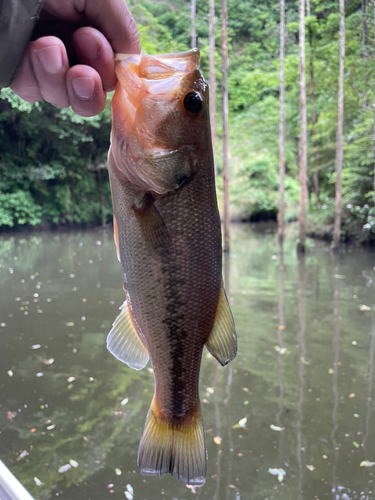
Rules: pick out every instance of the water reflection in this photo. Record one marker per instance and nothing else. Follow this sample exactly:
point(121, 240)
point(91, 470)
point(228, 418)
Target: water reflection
point(304, 348)
point(301, 366)
point(281, 350)
point(370, 371)
point(335, 348)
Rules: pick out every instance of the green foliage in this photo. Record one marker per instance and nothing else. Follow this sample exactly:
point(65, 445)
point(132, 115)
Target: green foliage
point(48, 160)
point(53, 155)
point(19, 208)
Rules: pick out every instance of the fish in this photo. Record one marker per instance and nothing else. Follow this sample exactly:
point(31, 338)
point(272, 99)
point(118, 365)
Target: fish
point(167, 232)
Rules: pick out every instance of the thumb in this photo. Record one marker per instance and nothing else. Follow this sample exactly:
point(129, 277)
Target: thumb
point(114, 20)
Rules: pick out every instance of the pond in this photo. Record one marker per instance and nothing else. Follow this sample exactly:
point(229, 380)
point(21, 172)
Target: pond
point(291, 417)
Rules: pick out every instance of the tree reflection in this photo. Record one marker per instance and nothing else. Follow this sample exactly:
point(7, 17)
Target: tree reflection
point(301, 361)
point(281, 344)
point(370, 372)
point(335, 346)
point(228, 385)
point(217, 430)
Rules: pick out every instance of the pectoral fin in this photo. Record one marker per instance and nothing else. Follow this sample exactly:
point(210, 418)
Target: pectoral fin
point(153, 228)
point(222, 342)
point(123, 341)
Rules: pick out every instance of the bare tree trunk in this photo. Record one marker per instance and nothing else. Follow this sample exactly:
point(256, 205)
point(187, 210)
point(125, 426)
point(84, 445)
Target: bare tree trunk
point(373, 145)
point(282, 124)
point(303, 136)
point(364, 47)
point(224, 49)
point(211, 19)
point(313, 119)
point(340, 127)
point(193, 34)
point(364, 25)
point(308, 8)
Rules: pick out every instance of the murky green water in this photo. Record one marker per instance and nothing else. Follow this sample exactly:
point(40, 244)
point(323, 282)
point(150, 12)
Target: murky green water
point(305, 365)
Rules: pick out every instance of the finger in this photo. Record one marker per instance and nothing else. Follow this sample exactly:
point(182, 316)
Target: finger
point(94, 50)
point(25, 84)
point(50, 63)
point(85, 91)
point(116, 23)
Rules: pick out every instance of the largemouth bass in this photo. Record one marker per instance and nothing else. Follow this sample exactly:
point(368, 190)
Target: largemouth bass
point(168, 238)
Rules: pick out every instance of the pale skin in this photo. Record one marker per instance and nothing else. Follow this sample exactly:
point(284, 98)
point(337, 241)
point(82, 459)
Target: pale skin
point(107, 27)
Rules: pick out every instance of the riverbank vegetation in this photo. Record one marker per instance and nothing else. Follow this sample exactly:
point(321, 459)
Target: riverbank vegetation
point(53, 163)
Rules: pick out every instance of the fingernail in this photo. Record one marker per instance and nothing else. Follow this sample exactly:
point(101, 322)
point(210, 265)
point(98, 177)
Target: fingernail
point(50, 58)
point(88, 46)
point(84, 87)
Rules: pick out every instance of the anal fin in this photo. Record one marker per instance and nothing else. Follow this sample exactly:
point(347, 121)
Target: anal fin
point(222, 342)
point(123, 341)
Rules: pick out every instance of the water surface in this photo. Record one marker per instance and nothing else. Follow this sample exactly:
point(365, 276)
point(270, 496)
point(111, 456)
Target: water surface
point(306, 333)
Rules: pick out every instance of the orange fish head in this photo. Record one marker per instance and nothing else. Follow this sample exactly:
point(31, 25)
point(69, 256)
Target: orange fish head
point(160, 115)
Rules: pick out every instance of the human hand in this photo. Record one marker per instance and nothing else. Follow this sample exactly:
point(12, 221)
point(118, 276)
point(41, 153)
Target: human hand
point(92, 30)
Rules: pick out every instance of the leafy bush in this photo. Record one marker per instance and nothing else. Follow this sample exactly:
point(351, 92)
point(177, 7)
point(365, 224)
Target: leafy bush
point(19, 209)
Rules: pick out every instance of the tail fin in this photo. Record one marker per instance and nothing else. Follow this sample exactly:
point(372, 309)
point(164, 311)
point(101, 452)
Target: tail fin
point(175, 447)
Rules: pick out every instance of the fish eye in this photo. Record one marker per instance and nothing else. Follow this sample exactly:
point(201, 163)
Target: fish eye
point(193, 102)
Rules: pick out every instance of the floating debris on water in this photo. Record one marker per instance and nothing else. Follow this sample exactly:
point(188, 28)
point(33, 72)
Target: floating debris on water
point(366, 463)
point(241, 423)
point(64, 468)
point(280, 473)
point(277, 428)
point(280, 350)
point(363, 307)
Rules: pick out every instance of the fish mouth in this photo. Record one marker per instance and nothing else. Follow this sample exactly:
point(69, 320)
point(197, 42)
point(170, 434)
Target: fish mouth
point(175, 55)
point(162, 65)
